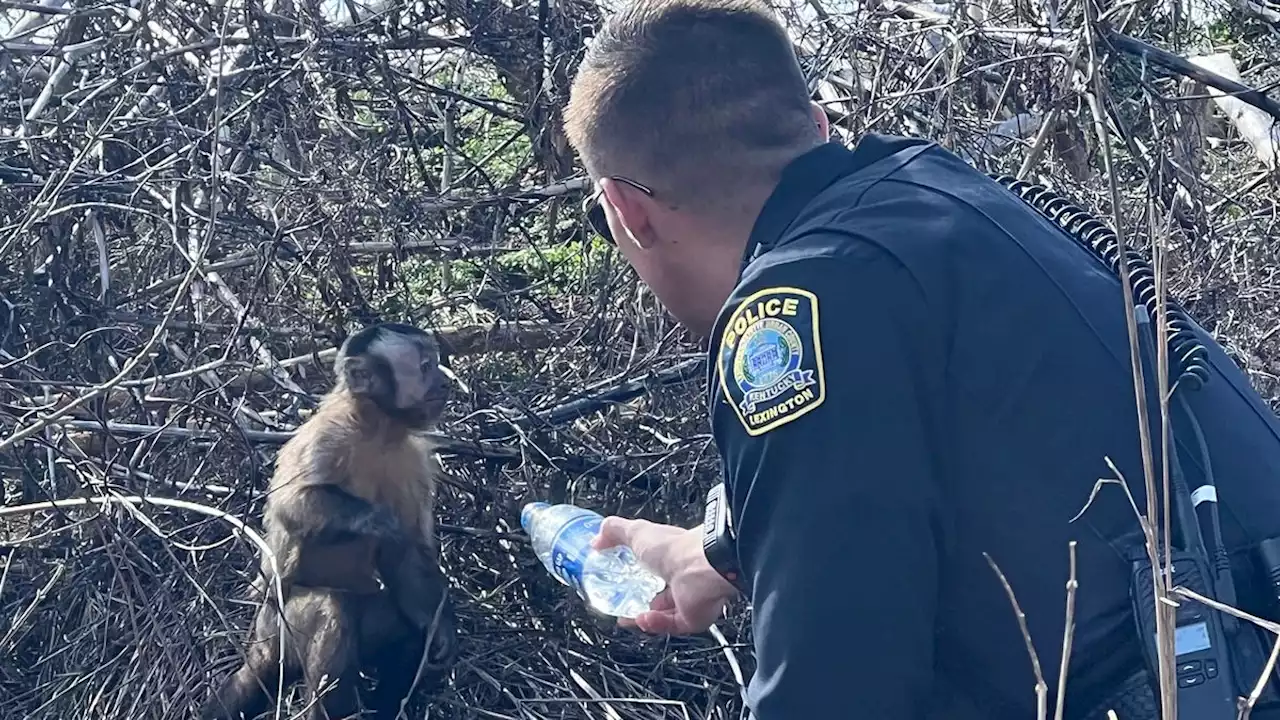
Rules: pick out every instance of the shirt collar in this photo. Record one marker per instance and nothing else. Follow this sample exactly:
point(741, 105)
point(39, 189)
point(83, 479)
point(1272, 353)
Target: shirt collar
point(801, 180)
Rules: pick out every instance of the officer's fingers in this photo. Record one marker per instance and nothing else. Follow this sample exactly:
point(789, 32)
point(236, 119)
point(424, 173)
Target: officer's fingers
point(669, 622)
point(660, 622)
point(663, 601)
point(614, 531)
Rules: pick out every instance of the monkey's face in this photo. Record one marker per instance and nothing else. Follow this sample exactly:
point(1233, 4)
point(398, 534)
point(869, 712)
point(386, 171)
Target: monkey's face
point(422, 391)
point(398, 368)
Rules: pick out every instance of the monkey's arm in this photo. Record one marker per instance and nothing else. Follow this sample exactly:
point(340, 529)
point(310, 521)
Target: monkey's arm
point(421, 592)
point(415, 579)
point(327, 513)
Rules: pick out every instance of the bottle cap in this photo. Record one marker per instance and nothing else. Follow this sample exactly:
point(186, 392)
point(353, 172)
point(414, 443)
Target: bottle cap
point(526, 514)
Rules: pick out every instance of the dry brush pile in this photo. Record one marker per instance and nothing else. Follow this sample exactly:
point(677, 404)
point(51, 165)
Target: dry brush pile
point(198, 200)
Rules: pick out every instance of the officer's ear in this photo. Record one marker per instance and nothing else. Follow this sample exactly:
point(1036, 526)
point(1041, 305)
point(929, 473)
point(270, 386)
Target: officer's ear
point(820, 117)
point(630, 213)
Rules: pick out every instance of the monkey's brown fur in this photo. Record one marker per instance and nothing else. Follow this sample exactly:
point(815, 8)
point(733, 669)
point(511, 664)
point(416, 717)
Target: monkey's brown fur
point(350, 519)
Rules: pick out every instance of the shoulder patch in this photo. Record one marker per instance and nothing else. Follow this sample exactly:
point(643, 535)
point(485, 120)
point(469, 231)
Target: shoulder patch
point(770, 359)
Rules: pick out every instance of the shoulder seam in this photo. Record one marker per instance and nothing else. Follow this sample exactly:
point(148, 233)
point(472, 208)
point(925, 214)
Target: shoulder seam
point(844, 259)
point(863, 185)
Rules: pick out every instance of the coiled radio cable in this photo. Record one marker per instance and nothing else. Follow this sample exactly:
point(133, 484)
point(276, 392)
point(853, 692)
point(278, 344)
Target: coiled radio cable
point(1188, 357)
point(1188, 363)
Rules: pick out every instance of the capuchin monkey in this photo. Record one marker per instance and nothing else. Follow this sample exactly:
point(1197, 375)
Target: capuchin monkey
point(350, 517)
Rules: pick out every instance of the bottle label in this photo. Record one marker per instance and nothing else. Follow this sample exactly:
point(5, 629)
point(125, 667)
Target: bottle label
point(570, 547)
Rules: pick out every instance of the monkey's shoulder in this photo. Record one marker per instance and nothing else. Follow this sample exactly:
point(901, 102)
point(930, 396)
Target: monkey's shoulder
point(310, 457)
point(325, 428)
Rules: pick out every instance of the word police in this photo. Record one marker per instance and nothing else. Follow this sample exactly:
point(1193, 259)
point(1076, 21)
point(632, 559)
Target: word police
point(770, 358)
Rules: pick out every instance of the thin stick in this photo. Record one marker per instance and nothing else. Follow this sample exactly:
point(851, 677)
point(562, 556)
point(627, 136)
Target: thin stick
point(1042, 688)
point(1163, 637)
point(1067, 633)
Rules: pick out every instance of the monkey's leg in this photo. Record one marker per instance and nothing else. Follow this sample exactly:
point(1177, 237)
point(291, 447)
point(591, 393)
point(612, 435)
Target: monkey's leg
point(246, 692)
point(396, 666)
point(394, 650)
point(330, 653)
point(242, 693)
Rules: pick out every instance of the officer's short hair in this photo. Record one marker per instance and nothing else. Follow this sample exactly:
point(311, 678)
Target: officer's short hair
point(693, 98)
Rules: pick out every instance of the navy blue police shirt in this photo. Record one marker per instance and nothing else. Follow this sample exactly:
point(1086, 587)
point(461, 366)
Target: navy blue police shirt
point(917, 372)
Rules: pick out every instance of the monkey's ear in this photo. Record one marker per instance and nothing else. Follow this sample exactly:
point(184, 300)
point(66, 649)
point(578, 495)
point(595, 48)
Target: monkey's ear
point(359, 377)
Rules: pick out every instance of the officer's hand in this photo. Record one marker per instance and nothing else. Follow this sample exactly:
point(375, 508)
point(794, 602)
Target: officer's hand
point(695, 594)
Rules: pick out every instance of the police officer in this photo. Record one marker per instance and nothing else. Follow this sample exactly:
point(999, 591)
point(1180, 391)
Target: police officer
point(910, 372)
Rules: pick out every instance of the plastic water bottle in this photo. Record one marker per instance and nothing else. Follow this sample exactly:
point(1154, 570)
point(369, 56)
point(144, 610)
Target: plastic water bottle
point(611, 581)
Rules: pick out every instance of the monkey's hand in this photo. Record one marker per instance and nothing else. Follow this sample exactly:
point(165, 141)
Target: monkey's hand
point(378, 522)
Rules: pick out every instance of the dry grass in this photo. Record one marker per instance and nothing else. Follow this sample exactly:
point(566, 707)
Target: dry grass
point(388, 171)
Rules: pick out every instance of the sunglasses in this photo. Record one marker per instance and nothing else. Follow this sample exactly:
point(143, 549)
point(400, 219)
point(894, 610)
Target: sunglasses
point(593, 208)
